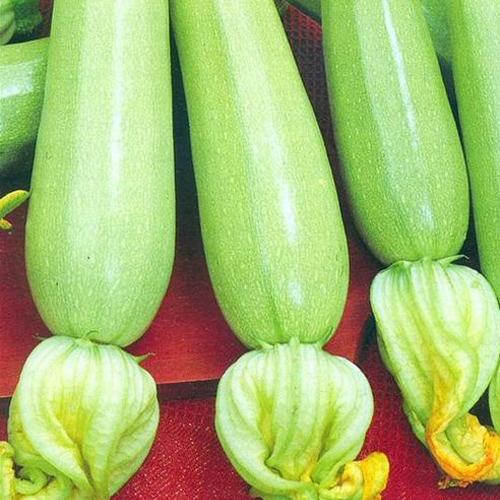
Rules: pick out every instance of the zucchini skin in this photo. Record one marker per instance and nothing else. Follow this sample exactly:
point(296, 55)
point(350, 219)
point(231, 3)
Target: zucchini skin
point(101, 222)
point(22, 82)
point(475, 45)
point(401, 158)
point(271, 225)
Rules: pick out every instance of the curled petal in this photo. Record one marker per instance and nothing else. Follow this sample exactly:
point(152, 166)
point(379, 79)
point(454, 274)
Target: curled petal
point(8, 203)
point(438, 327)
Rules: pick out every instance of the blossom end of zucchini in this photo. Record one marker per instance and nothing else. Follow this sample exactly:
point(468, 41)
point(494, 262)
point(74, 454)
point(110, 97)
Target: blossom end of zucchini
point(292, 418)
point(82, 419)
point(438, 327)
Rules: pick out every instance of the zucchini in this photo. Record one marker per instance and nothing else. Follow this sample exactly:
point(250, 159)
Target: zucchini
point(276, 252)
point(438, 323)
point(475, 46)
point(475, 43)
point(99, 252)
point(22, 83)
point(435, 15)
point(101, 225)
point(271, 225)
point(402, 161)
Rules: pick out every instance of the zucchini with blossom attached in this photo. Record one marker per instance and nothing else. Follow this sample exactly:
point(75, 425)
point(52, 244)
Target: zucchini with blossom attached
point(286, 413)
point(403, 168)
point(475, 43)
point(99, 251)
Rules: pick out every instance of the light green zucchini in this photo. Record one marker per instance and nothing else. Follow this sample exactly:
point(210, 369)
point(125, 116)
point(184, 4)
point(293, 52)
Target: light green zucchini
point(100, 227)
point(277, 257)
point(476, 67)
point(475, 44)
point(438, 323)
point(271, 225)
point(22, 83)
point(401, 156)
point(99, 252)
point(434, 12)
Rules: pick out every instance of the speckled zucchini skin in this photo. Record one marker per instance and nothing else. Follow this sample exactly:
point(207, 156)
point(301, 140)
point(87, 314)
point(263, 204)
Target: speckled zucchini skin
point(271, 225)
point(401, 157)
point(22, 82)
point(100, 228)
point(475, 26)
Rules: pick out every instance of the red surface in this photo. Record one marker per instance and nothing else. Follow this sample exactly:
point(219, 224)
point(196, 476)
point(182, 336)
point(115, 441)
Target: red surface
point(190, 341)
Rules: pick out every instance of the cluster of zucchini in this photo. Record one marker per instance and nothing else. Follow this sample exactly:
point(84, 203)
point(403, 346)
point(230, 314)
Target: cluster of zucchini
point(101, 228)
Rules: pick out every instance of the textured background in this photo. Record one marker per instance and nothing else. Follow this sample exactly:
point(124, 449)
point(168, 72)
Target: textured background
point(187, 463)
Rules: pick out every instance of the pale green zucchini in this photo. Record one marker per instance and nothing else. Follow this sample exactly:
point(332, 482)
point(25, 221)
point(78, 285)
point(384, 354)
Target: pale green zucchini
point(438, 323)
point(99, 251)
point(271, 225)
point(22, 83)
point(475, 45)
point(476, 69)
point(100, 228)
point(402, 160)
point(276, 252)
point(435, 15)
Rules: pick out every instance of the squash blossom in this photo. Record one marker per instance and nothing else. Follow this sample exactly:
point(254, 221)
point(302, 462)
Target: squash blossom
point(82, 420)
point(292, 418)
point(438, 328)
